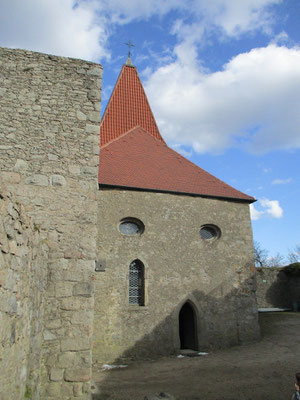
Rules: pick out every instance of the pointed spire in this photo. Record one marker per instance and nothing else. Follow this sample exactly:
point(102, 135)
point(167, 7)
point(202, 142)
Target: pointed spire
point(127, 108)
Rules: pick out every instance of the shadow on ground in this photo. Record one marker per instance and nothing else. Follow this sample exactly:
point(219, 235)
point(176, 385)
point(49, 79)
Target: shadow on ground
point(259, 371)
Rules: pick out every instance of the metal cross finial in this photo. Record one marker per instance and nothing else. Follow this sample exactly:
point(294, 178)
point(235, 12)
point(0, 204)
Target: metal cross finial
point(129, 44)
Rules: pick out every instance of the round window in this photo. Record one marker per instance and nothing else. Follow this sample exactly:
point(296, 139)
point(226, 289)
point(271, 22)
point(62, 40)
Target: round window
point(209, 232)
point(131, 226)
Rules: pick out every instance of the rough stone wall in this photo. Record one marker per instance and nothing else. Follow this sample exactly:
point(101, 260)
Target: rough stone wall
point(277, 289)
point(23, 272)
point(49, 146)
point(217, 276)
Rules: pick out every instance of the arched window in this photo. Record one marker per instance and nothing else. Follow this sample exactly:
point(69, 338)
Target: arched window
point(136, 283)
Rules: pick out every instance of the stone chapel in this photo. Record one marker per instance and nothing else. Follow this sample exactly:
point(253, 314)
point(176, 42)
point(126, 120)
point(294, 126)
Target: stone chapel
point(174, 252)
point(112, 247)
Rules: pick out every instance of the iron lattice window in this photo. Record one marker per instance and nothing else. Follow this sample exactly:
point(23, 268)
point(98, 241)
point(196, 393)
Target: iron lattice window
point(208, 232)
point(136, 283)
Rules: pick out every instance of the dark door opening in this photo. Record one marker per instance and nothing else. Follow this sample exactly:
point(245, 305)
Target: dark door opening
point(187, 327)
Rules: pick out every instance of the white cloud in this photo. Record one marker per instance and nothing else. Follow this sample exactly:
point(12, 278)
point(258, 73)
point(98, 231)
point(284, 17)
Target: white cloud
point(81, 28)
point(252, 103)
point(232, 17)
point(281, 181)
point(54, 26)
point(270, 208)
point(254, 213)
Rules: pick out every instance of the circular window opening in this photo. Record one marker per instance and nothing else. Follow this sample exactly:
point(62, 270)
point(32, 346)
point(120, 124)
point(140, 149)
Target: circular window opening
point(131, 226)
point(209, 232)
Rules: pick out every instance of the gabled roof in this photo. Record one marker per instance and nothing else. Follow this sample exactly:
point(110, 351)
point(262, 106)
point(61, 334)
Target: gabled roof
point(139, 160)
point(128, 107)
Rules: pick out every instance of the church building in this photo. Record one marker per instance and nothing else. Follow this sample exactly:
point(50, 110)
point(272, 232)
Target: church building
point(175, 253)
point(136, 253)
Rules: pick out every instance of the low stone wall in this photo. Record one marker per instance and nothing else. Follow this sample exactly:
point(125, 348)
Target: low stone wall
point(277, 289)
point(23, 272)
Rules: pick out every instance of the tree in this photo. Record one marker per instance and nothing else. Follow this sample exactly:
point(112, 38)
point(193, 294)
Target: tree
point(294, 254)
point(262, 258)
point(276, 261)
point(260, 255)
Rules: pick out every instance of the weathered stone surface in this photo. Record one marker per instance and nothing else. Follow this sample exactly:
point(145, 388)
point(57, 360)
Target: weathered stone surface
point(56, 374)
point(21, 165)
point(58, 180)
point(76, 303)
point(75, 344)
point(81, 116)
point(84, 289)
point(39, 180)
point(78, 374)
point(277, 289)
point(216, 276)
point(22, 288)
point(48, 131)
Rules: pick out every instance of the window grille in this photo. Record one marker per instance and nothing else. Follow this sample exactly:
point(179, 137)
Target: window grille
point(208, 232)
point(136, 283)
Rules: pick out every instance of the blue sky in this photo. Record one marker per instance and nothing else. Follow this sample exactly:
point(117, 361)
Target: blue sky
point(222, 78)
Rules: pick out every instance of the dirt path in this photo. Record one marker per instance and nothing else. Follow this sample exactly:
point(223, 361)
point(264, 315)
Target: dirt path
point(259, 371)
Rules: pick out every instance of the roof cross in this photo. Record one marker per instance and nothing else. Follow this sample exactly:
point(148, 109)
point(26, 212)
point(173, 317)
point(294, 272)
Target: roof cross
point(129, 44)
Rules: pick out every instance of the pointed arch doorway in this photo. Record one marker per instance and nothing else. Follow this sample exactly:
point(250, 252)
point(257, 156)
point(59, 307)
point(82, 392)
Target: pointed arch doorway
point(188, 327)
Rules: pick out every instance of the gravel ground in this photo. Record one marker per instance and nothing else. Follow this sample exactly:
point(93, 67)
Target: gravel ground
point(259, 371)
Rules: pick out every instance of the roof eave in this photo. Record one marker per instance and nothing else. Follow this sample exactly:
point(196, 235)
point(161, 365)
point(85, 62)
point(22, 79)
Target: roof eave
point(204, 195)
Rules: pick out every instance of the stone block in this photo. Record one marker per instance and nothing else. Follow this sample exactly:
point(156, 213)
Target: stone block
point(76, 303)
point(94, 116)
point(48, 335)
point(58, 180)
point(95, 71)
point(89, 128)
point(86, 387)
point(84, 289)
point(10, 177)
point(94, 94)
point(77, 389)
point(64, 289)
point(84, 318)
point(38, 180)
point(21, 165)
point(53, 324)
point(68, 359)
point(56, 374)
point(81, 116)
point(77, 374)
point(66, 390)
point(75, 344)
point(54, 390)
point(74, 169)
point(90, 170)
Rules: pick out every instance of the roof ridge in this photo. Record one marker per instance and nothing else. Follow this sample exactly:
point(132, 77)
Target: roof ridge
point(129, 131)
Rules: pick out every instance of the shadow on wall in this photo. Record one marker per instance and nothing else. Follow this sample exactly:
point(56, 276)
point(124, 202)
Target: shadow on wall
point(277, 295)
point(201, 322)
point(285, 291)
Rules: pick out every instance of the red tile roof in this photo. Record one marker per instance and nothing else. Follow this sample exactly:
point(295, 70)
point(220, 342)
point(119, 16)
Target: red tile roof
point(128, 107)
point(139, 160)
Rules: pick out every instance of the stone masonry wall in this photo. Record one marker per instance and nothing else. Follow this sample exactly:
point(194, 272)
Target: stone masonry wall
point(49, 150)
point(216, 277)
point(277, 289)
point(23, 272)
